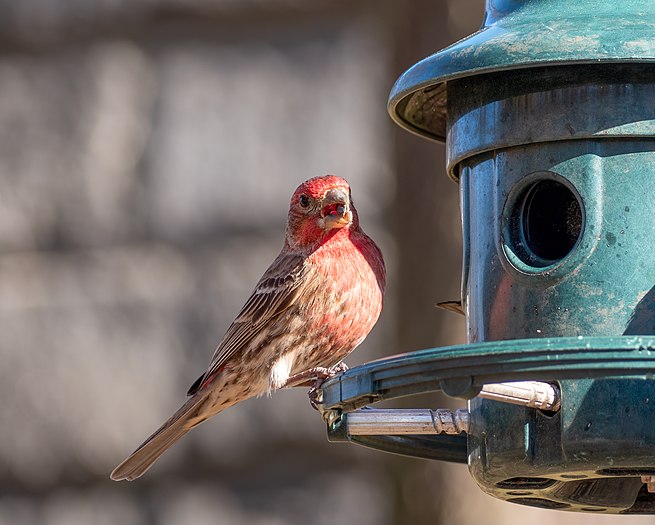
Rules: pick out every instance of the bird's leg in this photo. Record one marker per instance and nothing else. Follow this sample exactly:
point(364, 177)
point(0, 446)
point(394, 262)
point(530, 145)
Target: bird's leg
point(314, 378)
point(311, 376)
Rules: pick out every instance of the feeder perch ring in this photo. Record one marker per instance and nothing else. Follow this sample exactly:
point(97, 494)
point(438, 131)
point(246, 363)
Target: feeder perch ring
point(462, 371)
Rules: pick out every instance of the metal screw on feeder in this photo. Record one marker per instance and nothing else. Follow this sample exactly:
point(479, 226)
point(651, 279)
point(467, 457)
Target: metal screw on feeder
point(548, 115)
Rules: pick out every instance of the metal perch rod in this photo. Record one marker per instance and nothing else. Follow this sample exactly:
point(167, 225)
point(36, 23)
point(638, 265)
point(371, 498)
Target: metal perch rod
point(371, 421)
point(532, 394)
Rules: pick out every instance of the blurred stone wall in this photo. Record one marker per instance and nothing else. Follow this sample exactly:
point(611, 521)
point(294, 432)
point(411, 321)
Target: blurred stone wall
point(148, 150)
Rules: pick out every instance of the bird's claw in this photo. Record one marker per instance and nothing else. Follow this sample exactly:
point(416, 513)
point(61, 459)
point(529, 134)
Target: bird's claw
point(315, 393)
point(315, 377)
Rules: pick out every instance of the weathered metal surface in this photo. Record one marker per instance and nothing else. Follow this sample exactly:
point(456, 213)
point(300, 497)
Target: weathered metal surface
point(549, 116)
point(557, 173)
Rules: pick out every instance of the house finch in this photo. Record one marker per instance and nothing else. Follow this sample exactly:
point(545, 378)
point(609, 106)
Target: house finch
point(315, 303)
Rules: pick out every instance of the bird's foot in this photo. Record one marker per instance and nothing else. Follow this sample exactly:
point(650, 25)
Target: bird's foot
point(310, 376)
point(314, 378)
point(315, 394)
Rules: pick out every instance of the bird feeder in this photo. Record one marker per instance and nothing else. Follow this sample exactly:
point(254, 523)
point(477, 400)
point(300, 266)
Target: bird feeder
point(548, 114)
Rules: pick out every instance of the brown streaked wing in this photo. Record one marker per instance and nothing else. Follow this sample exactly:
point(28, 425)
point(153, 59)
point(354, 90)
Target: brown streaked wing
point(276, 291)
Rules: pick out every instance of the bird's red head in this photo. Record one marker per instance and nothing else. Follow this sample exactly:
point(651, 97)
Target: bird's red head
point(319, 208)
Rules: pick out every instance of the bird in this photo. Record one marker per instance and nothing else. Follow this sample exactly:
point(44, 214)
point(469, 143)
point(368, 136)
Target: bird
point(314, 305)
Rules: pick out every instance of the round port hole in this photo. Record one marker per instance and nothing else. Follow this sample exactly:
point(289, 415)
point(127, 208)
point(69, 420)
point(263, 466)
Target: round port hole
point(545, 223)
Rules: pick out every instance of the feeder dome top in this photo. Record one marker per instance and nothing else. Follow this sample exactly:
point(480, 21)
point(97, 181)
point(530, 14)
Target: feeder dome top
point(521, 34)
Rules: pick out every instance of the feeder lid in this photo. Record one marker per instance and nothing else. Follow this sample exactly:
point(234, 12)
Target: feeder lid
point(521, 34)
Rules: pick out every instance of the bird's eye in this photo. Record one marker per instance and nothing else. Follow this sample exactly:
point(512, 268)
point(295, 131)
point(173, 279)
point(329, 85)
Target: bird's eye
point(304, 200)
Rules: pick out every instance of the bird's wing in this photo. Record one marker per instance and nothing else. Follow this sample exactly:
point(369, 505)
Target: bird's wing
point(276, 291)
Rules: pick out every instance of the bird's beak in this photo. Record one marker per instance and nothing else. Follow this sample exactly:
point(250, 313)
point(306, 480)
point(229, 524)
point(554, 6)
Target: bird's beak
point(335, 210)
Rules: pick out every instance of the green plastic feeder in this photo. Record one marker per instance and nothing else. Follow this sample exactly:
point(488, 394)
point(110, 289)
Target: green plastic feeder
point(548, 113)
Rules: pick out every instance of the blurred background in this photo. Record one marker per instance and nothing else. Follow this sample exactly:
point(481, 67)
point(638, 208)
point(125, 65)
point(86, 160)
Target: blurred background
point(148, 151)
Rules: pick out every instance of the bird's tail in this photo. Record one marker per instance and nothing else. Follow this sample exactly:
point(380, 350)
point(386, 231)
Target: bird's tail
point(177, 426)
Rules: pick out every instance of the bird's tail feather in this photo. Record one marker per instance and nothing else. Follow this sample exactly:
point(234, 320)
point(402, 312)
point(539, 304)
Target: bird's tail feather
point(152, 448)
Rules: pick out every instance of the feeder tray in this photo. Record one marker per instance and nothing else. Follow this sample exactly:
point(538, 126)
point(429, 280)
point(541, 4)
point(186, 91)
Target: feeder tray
point(462, 371)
